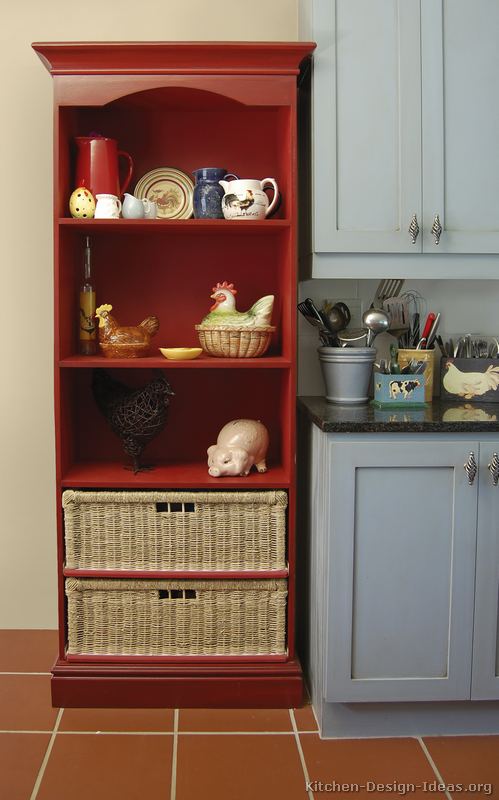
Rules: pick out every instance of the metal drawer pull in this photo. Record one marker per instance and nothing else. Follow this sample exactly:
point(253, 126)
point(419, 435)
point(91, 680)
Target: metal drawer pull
point(414, 229)
point(471, 468)
point(436, 229)
point(493, 468)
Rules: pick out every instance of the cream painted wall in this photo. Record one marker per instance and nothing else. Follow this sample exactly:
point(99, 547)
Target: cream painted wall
point(27, 528)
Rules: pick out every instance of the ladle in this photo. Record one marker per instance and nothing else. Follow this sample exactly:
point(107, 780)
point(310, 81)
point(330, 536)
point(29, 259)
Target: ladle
point(376, 321)
point(337, 318)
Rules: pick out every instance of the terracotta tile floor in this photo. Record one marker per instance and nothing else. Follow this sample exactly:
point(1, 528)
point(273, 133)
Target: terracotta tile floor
point(207, 754)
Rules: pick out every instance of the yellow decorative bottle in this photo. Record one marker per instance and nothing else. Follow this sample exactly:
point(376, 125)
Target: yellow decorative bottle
point(87, 321)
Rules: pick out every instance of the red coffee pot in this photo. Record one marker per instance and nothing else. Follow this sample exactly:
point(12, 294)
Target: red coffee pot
point(97, 165)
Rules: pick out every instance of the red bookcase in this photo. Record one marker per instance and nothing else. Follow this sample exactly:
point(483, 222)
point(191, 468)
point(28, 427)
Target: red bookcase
point(185, 105)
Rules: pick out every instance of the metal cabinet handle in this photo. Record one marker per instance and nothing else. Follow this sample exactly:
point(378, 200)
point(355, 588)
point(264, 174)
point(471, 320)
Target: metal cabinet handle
point(471, 468)
point(493, 468)
point(414, 228)
point(436, 229)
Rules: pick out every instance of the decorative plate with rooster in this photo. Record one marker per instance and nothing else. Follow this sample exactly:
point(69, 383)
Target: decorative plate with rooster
point(171, 190)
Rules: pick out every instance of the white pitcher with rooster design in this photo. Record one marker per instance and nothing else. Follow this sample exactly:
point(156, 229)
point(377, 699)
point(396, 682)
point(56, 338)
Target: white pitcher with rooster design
point(246, 199)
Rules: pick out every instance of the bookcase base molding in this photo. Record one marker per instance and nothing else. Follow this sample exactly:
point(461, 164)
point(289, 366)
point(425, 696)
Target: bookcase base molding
point(177, 686)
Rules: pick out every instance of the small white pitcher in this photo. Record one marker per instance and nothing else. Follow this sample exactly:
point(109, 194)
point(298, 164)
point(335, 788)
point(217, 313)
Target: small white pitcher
point(108, 207)
point(245, 199)
point(133, 208)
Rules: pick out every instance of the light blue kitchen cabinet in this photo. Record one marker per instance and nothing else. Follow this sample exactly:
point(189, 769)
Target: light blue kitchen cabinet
point(400, 574)
point(460, 75)
point(403, 582)
point(366, 124)
point(401, 540)
point(405, 122)
point(485, 672)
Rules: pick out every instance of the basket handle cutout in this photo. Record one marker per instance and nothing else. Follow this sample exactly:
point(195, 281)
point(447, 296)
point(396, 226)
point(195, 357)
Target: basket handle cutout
point(168, 508)
point(177, 594)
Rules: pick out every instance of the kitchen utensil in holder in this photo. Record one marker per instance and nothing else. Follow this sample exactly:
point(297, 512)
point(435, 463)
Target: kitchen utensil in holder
point(404, 356)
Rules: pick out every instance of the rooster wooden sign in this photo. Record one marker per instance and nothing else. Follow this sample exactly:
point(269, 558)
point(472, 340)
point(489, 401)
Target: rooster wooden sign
point(471, 378)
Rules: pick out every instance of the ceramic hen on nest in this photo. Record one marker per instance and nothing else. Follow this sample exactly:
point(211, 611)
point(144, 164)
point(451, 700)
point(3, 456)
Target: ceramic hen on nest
point(121, 341)
point(224, 312)
point(227, 332)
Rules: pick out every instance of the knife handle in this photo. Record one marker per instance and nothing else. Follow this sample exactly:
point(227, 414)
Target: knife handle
point(433, 331)
point(430, 319)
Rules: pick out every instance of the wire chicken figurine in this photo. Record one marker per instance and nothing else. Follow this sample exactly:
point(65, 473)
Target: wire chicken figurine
point(135, 415)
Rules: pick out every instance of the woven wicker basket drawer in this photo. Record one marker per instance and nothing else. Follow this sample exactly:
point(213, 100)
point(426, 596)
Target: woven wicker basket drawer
point(138, 617)
point(175, 530)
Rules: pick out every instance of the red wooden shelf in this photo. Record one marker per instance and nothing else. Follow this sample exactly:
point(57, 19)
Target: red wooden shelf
point(208, 575)
point(198, 103)
point(110, 659)
point(158, 362)
point(184, 226)
point(113, 475)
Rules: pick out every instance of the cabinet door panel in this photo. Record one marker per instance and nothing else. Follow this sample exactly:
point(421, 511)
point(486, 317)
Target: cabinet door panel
point(402, 549)
point(367, 149)
point(485, 682)
point(391, 567)
point(460, 68)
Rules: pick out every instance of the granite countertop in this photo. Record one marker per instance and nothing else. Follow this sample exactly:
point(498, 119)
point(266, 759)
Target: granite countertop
point(437, 417)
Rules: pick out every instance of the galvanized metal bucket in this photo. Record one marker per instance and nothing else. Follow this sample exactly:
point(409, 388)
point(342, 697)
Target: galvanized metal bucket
point(347, 373)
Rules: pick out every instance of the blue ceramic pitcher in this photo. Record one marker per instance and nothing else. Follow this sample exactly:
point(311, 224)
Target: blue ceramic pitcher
point(208, 193)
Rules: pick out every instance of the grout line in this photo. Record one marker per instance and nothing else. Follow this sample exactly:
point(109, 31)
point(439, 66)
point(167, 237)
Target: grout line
point(300, 753)
point(167, 733)
point(173, 785)
point(114, 733)
point(46, 757)
point(47, 674)
point(20, 731)
point(237, 733)
point(433, 765)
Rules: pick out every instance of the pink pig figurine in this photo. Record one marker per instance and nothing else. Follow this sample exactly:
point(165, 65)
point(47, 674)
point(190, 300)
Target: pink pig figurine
point(241, 444)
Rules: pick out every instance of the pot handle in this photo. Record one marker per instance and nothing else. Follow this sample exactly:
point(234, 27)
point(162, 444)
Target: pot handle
point(128, 178)
point(270, 182)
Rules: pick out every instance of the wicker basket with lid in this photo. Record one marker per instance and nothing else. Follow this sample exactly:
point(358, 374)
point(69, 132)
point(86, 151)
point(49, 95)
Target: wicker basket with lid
point(231, 342)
